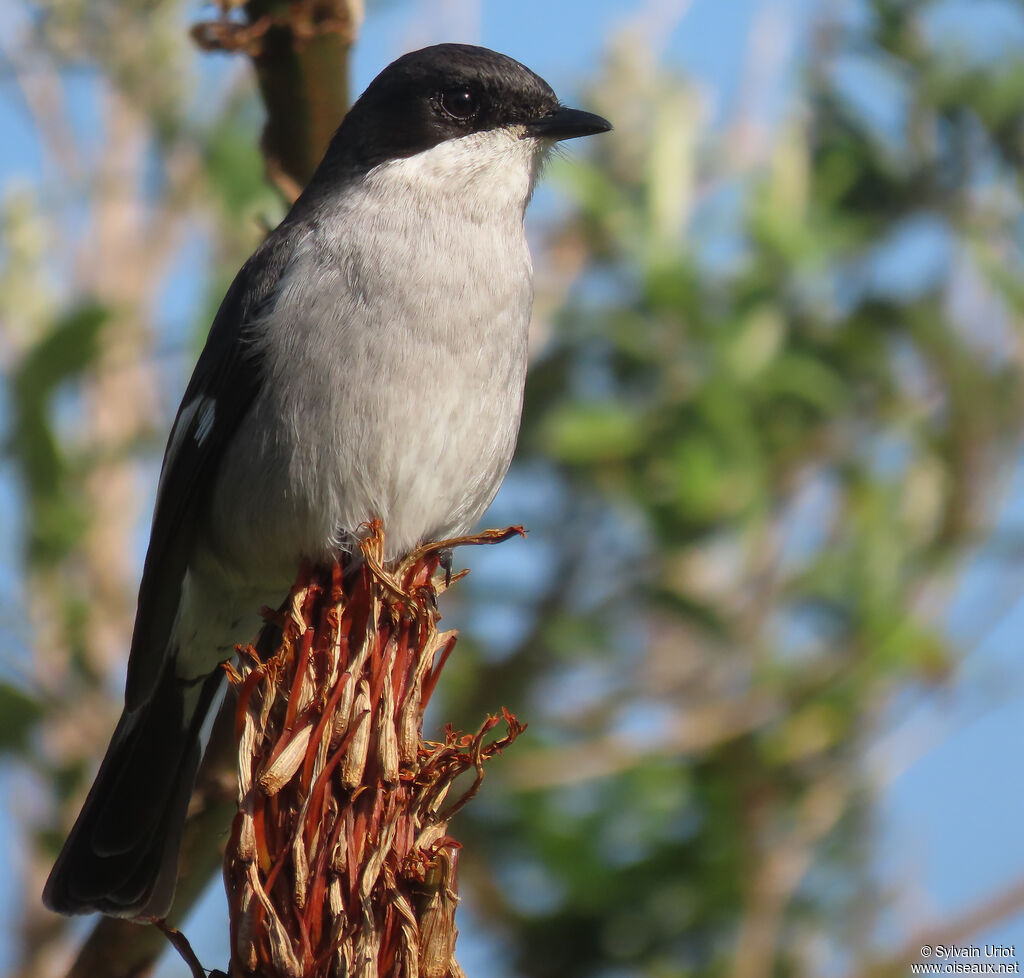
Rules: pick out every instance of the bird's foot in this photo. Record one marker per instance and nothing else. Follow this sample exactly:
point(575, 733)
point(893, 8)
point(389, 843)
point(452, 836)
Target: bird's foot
point(444, 559)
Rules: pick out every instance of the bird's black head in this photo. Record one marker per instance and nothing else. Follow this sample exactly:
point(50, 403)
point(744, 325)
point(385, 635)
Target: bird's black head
point(445, 92)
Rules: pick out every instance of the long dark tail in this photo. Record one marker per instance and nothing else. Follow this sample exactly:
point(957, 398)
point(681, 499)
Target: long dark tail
point(121, 857)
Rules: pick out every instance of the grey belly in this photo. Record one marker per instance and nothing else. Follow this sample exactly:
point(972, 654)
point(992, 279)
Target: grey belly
point(425, 463)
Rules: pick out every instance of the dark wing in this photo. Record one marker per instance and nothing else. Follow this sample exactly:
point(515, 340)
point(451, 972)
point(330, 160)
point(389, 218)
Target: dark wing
point(222, 389)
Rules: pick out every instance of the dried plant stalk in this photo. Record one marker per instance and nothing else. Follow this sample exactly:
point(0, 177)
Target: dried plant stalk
point(339, 861)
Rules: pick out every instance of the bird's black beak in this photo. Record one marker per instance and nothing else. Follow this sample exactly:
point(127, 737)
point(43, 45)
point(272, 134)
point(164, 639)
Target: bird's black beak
point(566, 123)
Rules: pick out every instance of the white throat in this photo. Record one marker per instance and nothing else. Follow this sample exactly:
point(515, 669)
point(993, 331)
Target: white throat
point(482, 174)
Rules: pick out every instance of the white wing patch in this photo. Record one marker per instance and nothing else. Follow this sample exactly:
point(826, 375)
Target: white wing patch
point(207, 414)
point(206, 409)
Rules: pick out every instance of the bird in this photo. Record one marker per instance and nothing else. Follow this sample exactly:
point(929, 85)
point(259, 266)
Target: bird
point(367, 363)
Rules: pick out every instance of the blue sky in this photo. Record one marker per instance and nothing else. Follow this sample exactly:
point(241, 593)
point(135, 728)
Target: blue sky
point(953, 803)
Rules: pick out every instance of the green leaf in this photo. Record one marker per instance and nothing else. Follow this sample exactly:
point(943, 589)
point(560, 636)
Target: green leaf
point(18, 714)
point(65, 352)
point(583, 433)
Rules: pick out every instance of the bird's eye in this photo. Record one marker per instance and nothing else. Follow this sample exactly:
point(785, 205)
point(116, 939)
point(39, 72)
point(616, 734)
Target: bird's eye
point(459, 103)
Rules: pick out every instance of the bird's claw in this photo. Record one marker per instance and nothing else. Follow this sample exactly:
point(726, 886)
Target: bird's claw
point(444, 559)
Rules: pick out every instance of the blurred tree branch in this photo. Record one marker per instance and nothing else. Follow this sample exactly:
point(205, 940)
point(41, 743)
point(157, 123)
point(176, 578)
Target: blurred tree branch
point(299, 49)
point(979, 917)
